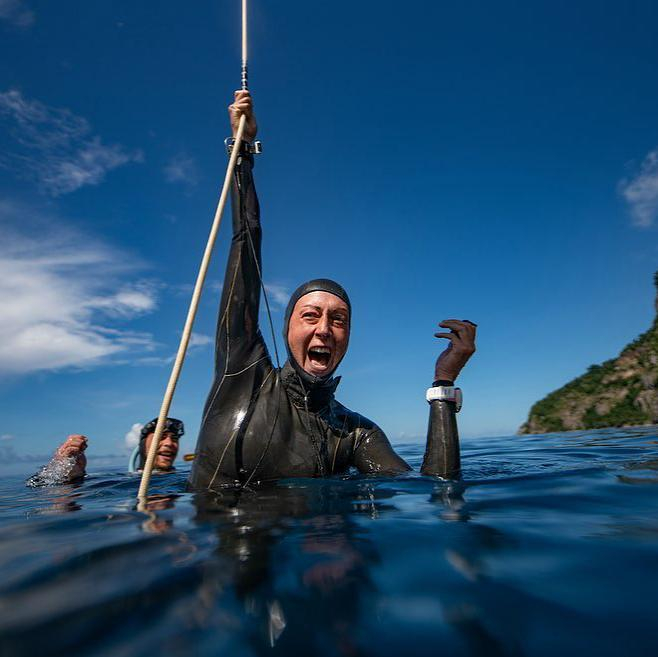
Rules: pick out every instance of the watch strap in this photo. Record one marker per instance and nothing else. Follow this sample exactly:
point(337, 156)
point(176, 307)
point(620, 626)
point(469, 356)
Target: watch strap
point(443, 382)
point(446, 394)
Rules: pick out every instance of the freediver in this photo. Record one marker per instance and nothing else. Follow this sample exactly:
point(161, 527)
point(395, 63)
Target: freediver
point(263, 423)
point(167, 447)
point(69, 463)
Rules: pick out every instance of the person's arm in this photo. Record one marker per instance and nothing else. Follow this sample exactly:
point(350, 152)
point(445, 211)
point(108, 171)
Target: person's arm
point(375, 455)
point(442, 451)
point(242, 361)
point(237, 326)
point(67, 465)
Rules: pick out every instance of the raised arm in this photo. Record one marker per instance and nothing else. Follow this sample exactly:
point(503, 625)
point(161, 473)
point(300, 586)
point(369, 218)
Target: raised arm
point(238, 335)
point(374, 454)
point(442, 451)
point(68, 465)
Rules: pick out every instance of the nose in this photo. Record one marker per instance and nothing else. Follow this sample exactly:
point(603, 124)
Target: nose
point(323, 327)
point(167, 440)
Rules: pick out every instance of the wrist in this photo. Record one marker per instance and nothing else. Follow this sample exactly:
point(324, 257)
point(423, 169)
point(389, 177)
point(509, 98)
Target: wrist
point(247, 147)
point(445, 375)
point(445, 395)
point(443, 382)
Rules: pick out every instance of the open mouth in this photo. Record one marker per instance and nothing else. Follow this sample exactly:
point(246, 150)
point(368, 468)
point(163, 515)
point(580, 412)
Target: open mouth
point(319, 357)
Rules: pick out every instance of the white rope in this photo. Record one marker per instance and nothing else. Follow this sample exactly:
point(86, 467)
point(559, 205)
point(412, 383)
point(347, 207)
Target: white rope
point(198, 287)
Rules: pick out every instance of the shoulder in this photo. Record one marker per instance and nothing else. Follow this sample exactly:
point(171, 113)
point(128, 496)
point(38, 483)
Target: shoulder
point(372, 452)
point(352, 419)
point(355, 423)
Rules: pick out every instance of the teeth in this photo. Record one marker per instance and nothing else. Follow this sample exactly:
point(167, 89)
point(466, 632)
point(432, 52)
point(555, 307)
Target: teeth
point(321, 350)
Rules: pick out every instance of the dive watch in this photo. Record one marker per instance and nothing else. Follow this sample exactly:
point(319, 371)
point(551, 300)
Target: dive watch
point(445, 393)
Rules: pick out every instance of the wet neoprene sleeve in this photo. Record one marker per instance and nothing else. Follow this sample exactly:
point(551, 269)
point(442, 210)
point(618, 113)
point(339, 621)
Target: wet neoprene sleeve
point(375, 455)
point(442, 450)
point(237, 326)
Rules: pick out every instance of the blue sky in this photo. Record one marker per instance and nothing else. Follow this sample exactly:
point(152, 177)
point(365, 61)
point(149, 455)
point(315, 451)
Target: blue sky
point(491, 161)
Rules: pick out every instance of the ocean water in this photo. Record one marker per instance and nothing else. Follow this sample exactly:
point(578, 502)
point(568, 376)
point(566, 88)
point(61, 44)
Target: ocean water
point(549, 546)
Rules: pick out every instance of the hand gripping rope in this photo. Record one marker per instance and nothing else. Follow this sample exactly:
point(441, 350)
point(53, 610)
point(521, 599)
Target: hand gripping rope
point(198, 287)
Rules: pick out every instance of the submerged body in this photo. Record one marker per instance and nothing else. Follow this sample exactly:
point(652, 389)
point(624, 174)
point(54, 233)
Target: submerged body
point(263, 423)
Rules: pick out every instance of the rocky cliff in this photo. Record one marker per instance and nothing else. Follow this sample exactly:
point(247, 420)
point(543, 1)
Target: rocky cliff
point(622, 391)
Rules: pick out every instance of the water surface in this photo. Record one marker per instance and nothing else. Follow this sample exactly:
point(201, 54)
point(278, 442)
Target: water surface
point(549, 546)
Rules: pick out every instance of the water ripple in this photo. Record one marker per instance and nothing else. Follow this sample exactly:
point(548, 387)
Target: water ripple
point(548, 545)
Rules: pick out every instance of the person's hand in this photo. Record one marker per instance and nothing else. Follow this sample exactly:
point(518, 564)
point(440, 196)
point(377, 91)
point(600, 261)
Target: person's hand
point(462, 346)
point(243, 104)
point(74, 447)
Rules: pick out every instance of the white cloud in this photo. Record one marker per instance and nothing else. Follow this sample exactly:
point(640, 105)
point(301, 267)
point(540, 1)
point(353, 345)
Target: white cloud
point(130, 300)
point(62, 295)
point(278, 295)
point(181, 169)
point(8, 454)
point(132, 437)
point(211, 290)
point(16, 13)
point(199, 340)
point(55, 147)
point(641, 191)
point(6, 436)
point(155, 361)
point(215, 286)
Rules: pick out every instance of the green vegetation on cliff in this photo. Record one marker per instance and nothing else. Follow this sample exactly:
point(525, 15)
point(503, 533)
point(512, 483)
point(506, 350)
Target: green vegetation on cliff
point(622, 391)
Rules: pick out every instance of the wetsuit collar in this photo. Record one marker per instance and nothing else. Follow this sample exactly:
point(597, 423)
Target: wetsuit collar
point(307, 390)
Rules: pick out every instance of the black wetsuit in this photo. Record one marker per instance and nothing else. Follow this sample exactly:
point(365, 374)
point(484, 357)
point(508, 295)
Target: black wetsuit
point(262, 423)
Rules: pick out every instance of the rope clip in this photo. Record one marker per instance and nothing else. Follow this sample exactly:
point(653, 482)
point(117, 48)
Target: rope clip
point(255, 148)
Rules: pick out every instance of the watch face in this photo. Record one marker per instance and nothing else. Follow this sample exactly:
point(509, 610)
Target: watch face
point(445, 393)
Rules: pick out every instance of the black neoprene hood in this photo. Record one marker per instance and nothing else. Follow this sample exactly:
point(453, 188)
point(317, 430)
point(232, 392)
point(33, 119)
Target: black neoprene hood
point(315, 285)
